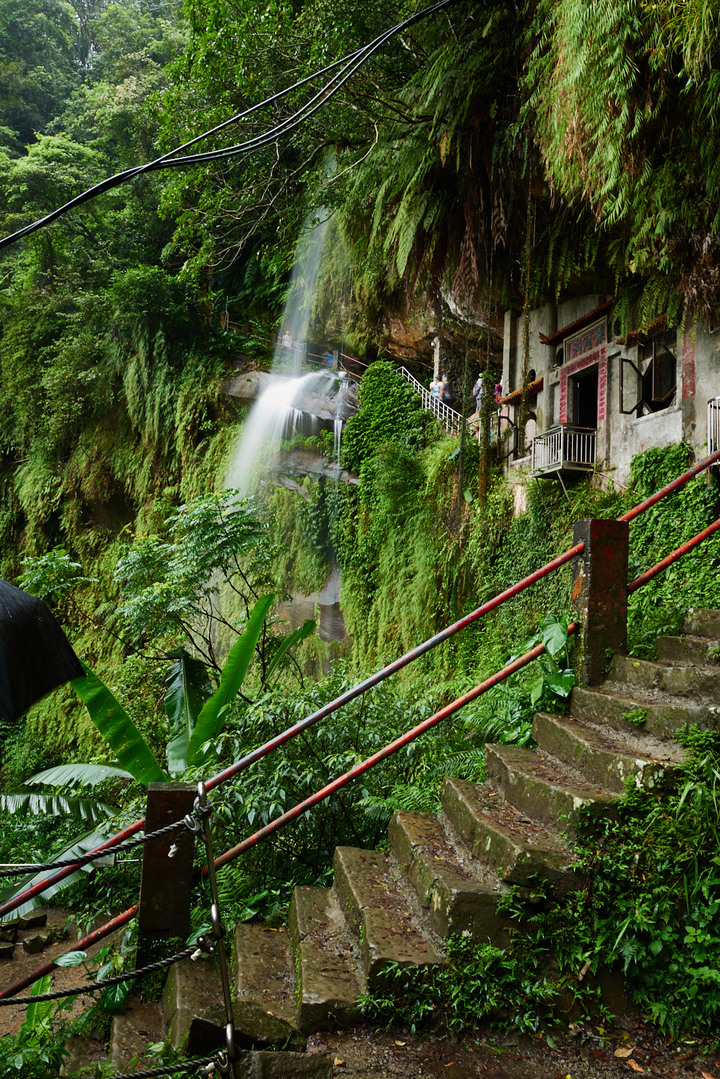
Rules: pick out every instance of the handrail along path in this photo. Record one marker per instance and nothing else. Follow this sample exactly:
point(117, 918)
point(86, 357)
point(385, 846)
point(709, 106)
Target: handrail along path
point(361, 688)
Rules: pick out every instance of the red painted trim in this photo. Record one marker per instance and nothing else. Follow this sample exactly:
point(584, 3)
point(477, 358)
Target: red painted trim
point(580, 323)
point(688, 366)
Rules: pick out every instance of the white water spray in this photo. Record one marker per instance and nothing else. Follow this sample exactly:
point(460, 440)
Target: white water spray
point(292, 336)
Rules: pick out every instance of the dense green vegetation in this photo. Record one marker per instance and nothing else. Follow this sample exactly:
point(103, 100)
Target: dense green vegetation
point(473, 164)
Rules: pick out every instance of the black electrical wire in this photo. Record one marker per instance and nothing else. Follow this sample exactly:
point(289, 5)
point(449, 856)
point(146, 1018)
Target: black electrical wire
point(352, 62)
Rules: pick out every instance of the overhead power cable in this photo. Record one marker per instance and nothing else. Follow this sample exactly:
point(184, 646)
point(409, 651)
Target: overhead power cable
point(347, 65)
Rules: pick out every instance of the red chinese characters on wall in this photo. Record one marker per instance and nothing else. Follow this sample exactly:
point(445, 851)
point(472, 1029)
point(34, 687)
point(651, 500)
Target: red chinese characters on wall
point(586, 349)
point(598, 357)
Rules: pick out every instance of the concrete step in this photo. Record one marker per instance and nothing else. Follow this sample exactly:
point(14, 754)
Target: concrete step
point(329, 973)
point(195, 1012)
point(265, 971)
point(611, 707)
point(86, 1057)
point(702, 623)
point(701, 651)
point(455, 898)
point(542, 788)
point(603, 761)
point(380, 913)
point(511, 844)
point(138, 1025)
point(673, 680)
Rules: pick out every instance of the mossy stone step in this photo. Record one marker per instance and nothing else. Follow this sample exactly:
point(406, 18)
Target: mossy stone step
point(379, 912)
point(511, 844)
point(663, 718)
point(265, 970)
point(541, 787)
point(456, 901)
point(602, 761)
point(701, 651)
point(702, 623)
point(700, 683)
point(138, 1025)
point(329, 977)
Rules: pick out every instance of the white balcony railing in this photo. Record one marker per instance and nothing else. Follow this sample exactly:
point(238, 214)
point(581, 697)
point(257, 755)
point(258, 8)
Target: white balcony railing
point(713, 425)
point(448, 416)
point(564, 448)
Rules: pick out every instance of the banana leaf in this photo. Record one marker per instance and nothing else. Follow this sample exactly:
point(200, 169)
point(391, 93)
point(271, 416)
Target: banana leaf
point(211, 719)
point(289, 642)
point(188, 688)
point(118, 730)
point(57, 805)
point(82, 845)
point(77, 775)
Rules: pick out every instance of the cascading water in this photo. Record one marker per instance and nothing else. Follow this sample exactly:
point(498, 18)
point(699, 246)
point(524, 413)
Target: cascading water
point(292, 336)
point(278, 414)
point(293, 403)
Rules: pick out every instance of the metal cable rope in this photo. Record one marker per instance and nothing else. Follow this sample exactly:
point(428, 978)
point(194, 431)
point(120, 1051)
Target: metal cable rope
point(398, 664)
point(92, 987)
point(203, 1064)
point(347, 777)
point(85, 859)
point(352, 62)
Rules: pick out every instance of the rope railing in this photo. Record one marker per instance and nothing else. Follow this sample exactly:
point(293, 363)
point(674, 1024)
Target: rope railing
point(213, 864)
point(79, 860)
point(374, 680)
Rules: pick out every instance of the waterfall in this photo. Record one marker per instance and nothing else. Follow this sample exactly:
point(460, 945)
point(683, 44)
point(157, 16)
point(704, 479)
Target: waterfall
point(293, 403)
point(292, 336)
point(276, 415)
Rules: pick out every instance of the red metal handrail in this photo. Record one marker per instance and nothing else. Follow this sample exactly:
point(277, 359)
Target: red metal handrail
point(308, 803)
point(375, 679)
point(364, 766)
point(669, 488)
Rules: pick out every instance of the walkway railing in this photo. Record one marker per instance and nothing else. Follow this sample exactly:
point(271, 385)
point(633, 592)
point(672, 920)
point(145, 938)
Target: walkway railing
point(713, 425)
point(404, 739)
point(447, 416)
point(564, 447)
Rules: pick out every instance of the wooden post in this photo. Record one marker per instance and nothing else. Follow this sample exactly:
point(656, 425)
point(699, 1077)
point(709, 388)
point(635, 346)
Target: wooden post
point(165, 886)
point(599, 594)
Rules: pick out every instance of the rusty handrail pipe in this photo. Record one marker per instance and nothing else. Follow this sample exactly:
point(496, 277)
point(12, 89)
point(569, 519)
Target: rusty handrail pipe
point(302, 807)
point(669, 488)
point(673, 557)
point(373, 680)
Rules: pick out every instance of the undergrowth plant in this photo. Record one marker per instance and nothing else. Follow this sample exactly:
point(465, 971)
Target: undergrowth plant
point(648, 907)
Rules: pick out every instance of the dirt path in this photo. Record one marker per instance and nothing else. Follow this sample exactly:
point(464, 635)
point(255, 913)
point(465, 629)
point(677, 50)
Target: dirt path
point(364, 1053)
point(12, 1017)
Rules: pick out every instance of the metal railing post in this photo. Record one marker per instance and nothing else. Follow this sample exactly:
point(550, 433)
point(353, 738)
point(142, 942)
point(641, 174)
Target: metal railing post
point(599, 594)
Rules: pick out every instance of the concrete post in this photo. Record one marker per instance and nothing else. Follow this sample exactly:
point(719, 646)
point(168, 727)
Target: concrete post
point(599, 595)
point(165, 886)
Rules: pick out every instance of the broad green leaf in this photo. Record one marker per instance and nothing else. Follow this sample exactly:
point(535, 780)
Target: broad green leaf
point(85, 843)
point(187, 690)
point(71, 959)
point(289, 642)
point(554, 634)
point(209, 722)
point(80, 775)
point(56, 805)
point(560, 682)
point(114, 997)
point(38, 1015)
point(118, 729)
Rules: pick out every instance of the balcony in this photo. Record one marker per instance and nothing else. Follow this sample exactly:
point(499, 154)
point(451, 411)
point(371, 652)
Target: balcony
point(713, 425)
point(564, 448)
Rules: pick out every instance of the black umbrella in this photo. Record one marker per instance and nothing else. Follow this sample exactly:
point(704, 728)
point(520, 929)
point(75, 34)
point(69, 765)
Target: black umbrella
point(35, 654)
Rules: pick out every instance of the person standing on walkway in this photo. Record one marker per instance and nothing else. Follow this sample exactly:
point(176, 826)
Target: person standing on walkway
point(478, 392)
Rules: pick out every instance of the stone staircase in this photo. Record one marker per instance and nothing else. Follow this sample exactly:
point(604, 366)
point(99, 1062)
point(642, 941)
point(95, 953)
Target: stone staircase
point(444, 873)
